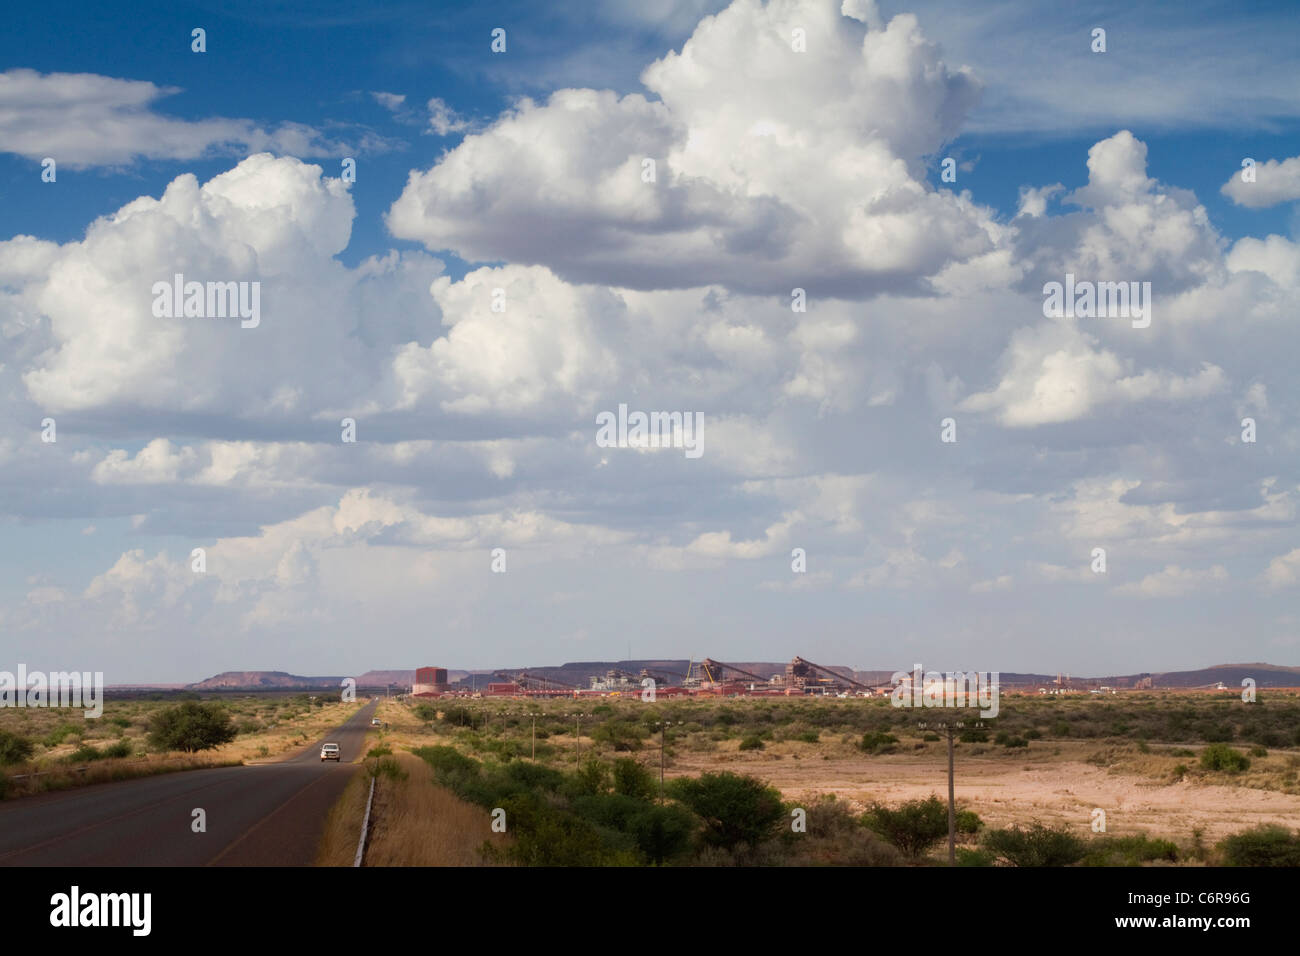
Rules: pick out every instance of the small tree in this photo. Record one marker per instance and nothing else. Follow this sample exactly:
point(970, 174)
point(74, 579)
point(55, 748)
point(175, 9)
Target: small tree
point(913, 827)
point(592, 778)
point(191, 727)
point(1038, 845)
point(662, 832)
point(13, 748)
point(631, 779)
point(735, 809)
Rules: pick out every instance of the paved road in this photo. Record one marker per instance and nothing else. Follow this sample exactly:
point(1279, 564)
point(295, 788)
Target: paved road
point(261, 815)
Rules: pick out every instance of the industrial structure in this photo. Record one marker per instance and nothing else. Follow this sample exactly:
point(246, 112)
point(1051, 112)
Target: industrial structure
point(705, 676)
point(430, 682)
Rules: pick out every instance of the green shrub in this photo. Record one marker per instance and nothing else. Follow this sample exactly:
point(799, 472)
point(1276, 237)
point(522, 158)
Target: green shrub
point(752, 742)
point(969, 857)
point(121, 748)
point(834, 837)
point(974, 736)
point(735, 809)
point(383, 750)
point(1223, 758)
point(631, 779)
point(535, 776)
point(592, 778)
point(623, 735)
point(57, 735)
point(86, 753)
point(14, 749)
point(425, 712)
point(1258, 751)
point(191, 727)
point(459, 716)
point(662, 833)
point(387, 767)
point(448, 763)
point(878, 742)
point(1129, 851)
point(1036, 845)
point(930, 738)
point(1262, 846)
point(914, 827)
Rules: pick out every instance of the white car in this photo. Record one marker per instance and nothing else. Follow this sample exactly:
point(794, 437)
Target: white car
point(329, 752)
point(374, 721)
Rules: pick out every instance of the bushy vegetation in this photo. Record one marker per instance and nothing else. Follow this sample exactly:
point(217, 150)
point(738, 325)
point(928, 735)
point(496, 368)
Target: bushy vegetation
point(14, 749)
point(609, 814)
point(1035, 845)
point(913, 827)
point(1262, 846)
point(191, 727)
point(1129, 851)
point(735, 809)
point(1223, 758)
point(878, 742)
point(86, 753)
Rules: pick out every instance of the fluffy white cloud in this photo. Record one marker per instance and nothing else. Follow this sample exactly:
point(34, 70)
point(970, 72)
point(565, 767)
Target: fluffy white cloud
point(275, 222)
point(773, 168)
point(1054, 373)
point(1275, 182)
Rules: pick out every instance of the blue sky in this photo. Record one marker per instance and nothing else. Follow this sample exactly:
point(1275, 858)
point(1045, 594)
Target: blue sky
point(217, 440)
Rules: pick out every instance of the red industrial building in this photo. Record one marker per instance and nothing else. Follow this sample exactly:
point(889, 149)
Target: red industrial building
point(430, 681)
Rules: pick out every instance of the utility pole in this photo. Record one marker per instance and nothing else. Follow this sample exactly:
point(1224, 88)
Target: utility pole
point(663, 731)
point(952, 802)
point(947, 728)
point(534, 736)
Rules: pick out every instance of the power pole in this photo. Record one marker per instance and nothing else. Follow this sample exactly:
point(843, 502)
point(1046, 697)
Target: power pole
point(952, 802)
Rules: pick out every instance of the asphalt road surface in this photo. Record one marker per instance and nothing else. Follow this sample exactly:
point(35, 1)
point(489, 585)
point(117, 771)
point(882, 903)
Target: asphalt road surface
point(262, 815)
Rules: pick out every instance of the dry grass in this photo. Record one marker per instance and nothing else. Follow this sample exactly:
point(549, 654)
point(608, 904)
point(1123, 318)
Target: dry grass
point(414, 822)
point(104, 771)
point(338, 845)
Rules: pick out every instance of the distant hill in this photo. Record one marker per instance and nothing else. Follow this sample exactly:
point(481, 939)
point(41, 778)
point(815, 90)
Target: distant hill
point(1264, 675)
point(579, 674)
point(249, 680)
point(254, 680)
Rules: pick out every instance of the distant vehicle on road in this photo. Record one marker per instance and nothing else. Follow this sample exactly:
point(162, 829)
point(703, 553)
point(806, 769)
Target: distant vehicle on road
point(329, 752)
point(374, 721)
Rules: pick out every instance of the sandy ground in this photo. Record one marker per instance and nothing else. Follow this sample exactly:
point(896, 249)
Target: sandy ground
point(1007, 791)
